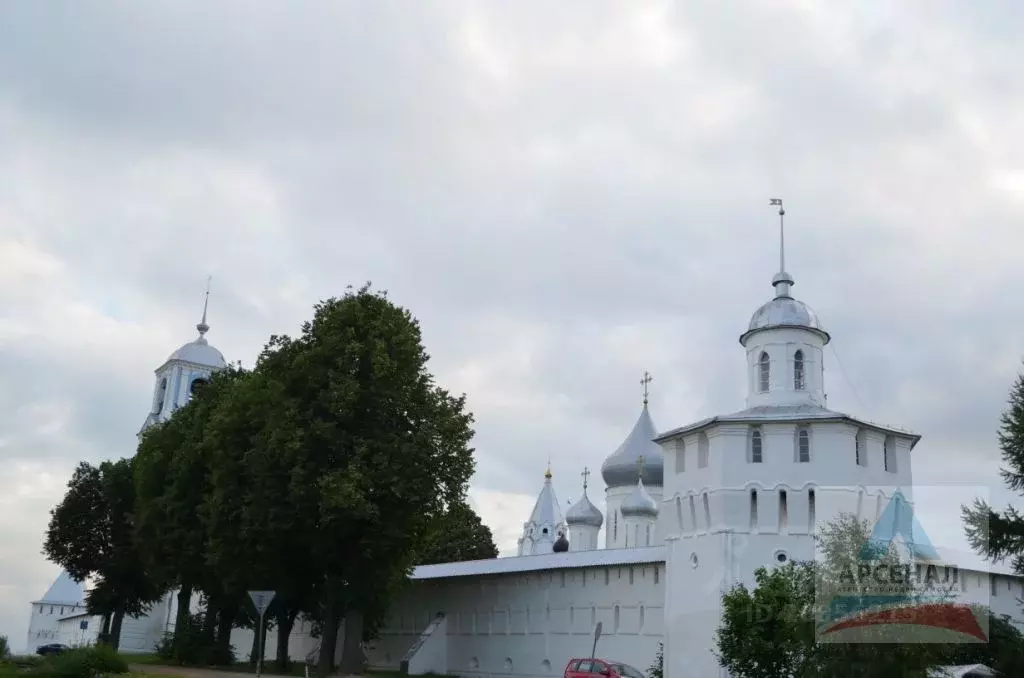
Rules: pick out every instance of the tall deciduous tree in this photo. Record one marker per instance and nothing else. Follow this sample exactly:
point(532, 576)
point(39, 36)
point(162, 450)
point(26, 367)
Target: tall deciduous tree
point(172, 481)
point(92, 534)
point(999, 535)
point(374, 449)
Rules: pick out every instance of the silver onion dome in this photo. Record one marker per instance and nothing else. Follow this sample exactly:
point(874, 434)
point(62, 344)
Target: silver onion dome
point(621, 467)
point(584, 513)
point(784, 311)
point(639, 503)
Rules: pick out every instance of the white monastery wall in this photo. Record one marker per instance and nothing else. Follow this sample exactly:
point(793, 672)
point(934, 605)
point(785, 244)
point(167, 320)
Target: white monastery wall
point(44, 624)
point(71, 633)
point(532, 623)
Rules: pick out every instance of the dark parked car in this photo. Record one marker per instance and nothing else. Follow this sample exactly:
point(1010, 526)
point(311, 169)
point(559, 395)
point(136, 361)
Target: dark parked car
point(52, 648)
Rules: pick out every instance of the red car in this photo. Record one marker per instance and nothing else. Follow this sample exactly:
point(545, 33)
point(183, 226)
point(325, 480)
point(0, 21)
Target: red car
point(590, 667)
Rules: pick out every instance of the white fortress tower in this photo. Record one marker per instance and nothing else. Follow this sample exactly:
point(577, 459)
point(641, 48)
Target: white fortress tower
point(745, 490)
point(622, 470)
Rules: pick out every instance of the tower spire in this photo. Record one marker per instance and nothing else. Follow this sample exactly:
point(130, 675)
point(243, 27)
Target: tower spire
point(782, 280)
point(547, 474)
point(644, 382)
point(202, 326)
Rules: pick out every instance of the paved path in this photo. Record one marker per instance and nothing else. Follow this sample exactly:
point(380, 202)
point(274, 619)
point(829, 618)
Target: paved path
point(192, 672)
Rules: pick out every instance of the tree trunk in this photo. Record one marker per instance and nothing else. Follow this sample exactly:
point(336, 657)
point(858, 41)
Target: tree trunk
point(285, 622)
point(226, 616)
point(115, 629)
point(352, 650)
point(182, 616)
point(329, 638)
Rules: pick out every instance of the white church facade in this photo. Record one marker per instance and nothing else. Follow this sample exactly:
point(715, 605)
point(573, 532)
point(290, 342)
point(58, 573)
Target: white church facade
point(689, 512)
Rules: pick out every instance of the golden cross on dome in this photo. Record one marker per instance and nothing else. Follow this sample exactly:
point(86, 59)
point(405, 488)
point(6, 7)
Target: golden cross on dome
point(640, 467)
point(585, 474)
point(644, 382)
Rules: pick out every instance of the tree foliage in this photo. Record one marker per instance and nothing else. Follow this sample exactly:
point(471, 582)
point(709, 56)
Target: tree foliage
point(92, 535)
point(457, 534)
point(324, 473)
point(999, 535)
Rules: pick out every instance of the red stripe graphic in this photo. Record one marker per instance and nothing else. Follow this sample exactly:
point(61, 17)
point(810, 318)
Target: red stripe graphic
point(939, 615)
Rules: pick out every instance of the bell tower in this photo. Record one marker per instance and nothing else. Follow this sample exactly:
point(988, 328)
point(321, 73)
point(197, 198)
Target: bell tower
point(187, 369)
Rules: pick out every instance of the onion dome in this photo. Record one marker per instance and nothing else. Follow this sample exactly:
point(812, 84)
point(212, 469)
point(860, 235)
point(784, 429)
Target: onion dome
point(561, 544)
point(639, 503)
point(620, 469)
point(583, 512)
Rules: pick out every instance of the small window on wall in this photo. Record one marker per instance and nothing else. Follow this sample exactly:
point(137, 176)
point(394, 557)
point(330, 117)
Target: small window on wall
point(753, 509)
point(889, 453)
point(860, 448)
point(803, 445)
point(763, 373)
point(798, 371)
point(756, 446)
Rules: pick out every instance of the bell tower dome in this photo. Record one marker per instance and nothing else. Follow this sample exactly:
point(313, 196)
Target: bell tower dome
point(785, 343)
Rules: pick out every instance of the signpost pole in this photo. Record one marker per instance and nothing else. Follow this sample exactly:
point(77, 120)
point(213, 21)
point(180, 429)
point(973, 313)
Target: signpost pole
point(261, 601)
point(597, 634)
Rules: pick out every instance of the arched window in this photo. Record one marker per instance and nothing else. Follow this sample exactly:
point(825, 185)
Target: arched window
point(764, 372)
point(702, 450)
point(798, 370)
point(783, 510)
point(615, 525)
point(756, 448)
point(803, 445)
point(753, 509)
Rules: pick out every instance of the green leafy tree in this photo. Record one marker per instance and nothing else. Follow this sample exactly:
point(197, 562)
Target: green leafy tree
point(457, 534)
point(999, 535)
point(373, 450)
point(92, 534)
point(771, 630)
point(172, 481)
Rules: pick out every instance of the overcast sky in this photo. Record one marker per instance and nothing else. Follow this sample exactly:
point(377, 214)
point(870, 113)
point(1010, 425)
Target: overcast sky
point(564, 193)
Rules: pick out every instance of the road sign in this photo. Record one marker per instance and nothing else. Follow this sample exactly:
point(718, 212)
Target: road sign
point(261, 600)
point(597, 634)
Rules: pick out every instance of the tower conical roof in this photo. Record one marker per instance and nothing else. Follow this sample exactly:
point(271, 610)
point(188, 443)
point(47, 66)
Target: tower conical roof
point(64, 590)
point(546, 510)
point(620, 469)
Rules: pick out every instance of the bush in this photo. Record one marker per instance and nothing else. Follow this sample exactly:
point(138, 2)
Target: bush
point(5, 648)
point(82, 662)
point(192, 647)
point(657, 669)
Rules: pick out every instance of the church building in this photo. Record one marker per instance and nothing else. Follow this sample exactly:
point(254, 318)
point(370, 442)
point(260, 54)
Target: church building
point(688, 512)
